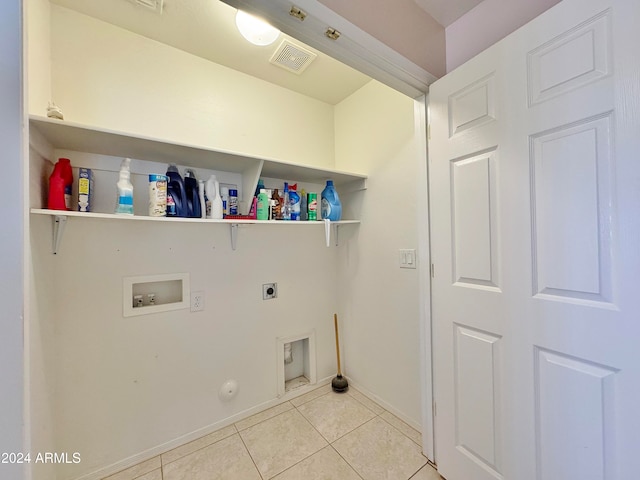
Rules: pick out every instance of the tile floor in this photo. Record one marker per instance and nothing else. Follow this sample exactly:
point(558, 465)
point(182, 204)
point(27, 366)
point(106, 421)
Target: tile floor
point(319, 435)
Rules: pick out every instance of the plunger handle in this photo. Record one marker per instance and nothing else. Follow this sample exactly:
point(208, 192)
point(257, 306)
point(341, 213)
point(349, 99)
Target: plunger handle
point(335, 322)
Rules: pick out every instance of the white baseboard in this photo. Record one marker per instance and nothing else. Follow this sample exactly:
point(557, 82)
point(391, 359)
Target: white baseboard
point(201, 432)
point(390, 408)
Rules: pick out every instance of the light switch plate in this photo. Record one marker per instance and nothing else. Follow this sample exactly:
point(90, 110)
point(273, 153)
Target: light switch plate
point(407, 258)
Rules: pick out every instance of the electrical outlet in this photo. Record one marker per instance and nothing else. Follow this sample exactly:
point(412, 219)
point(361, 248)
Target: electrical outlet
point(269, 291)
point(197, 301)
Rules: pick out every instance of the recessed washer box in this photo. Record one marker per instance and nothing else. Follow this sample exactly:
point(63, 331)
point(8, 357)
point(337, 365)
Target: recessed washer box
point(302, 371)
point(170, 292)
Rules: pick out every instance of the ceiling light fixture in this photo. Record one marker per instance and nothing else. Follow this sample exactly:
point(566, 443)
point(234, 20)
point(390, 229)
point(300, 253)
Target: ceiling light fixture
point(255, 30)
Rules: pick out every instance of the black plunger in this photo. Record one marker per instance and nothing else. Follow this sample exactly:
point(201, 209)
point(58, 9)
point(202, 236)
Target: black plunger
point(339, 383)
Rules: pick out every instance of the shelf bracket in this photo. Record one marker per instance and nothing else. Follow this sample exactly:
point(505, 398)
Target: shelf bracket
point(327, 231)
point(234, 235)
point(59, 222)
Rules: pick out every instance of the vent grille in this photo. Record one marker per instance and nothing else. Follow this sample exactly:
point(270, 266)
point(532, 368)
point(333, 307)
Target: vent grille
point(292, 57)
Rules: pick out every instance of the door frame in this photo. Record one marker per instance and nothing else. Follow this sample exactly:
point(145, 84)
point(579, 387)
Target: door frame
point(355, 47)
point(421, 117)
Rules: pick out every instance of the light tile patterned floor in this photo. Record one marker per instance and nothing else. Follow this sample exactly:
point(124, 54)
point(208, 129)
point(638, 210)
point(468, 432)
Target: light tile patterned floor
point(321, 435)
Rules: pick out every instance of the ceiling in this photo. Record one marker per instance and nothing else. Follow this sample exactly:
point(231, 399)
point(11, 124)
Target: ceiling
point(445, 12)
point(206, 28)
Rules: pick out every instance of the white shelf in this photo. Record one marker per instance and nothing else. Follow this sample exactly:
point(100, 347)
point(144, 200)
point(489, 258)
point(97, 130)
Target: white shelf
point(62, 134)
point(60, 219)
point(67, 135)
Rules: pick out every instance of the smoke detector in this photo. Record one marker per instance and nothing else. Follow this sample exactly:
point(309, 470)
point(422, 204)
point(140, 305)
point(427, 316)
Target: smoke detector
point(155, 5)
point(292, 57)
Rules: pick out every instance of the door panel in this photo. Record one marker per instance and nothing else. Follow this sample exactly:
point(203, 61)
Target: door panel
point(573, 395)
point(571, 200)
point(573, 59)
point(472, 106)
point(473, 213)
point(477, 384)
point(535, 194)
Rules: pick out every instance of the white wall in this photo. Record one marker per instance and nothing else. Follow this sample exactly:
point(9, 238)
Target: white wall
point(12, 382)
point(118, 390)
point(487, 23)
point(376, 134)
point(39, 321)
point(39, 58)
point(127, 386)
point(106, 76)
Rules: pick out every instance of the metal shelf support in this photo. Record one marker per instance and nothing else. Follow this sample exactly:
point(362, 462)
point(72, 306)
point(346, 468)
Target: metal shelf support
point(327, 232)
point(59, 222)
point(234, 235)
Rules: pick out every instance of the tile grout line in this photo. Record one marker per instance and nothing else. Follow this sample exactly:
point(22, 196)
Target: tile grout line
point(375, 415)
point(346, 461)
point(251, 456)
point(162, 465)
point(397, 430)
point(401, 432)
point(330, 444)
point(237, 431)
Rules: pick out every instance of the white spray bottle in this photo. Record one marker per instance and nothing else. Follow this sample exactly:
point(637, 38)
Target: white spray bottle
point(214, 201)
point(124, 204)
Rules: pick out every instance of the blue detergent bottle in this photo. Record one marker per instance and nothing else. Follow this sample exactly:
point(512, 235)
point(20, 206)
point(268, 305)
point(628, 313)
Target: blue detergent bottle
point(294, 201)
point(175, 188)
point(331, 207)
point(193, 194)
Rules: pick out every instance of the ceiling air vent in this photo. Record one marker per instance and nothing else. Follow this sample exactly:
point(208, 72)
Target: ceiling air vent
point(292, 57)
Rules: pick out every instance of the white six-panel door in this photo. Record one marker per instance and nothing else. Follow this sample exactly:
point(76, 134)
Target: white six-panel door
point(535, 211)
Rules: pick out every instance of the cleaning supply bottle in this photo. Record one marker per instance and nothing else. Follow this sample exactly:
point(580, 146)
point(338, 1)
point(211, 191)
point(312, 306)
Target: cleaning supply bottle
point(303, 205)
point(312, 206)
point(224, 194)
point(259, 187)
point(331, 207)
point(177, 204)
point(253, 208)
point(233, 201)
point(214, 201)
point(276, 208)
point(193, 195)
point(124, 205)
point(203, 203)
point(286, 203)
point(60, 185)
point(294, 201)
point(157, 195)
point(263, 206)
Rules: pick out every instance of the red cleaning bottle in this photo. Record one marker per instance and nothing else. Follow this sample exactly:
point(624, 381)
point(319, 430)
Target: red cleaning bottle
point(60, 183)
